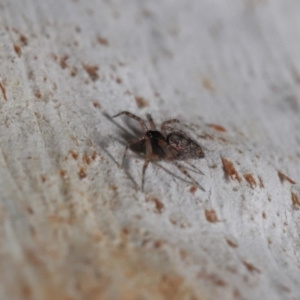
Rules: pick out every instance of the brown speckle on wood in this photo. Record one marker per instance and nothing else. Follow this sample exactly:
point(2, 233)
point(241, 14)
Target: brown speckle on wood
point(30, 210)
point(193, 189)
point(207, 84)
point(97, 104)
point(18, 50)
point(230, 169)
point(283, 177)
point(62, 173)
point(3, 91)
point(74, 154)
point(231, 243)
point(217, 127)
point(295, 201)
point(86, 159)
point(215, 279)
point(251, 268)
point(118, 80)
point(92, 71)
point(63, 61)
point(43, 178)
point(38, 94)
point(250, 179)
point(261, 183)
point(102, 41)
point(81, 173)
point(94, 154)
point(73, 71)
point(211, 216)
point(158, 204)
point(141, 102)
point(23, 40)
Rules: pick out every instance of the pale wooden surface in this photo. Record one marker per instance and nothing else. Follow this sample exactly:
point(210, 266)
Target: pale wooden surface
point(74, 226)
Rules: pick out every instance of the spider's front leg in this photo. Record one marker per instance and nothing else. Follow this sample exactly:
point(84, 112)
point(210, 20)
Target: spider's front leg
point(130, 115)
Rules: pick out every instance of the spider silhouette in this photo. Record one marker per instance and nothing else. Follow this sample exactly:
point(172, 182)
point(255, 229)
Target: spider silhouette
point(157, 145)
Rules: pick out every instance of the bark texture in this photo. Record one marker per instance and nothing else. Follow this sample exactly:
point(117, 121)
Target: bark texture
point(75, 226)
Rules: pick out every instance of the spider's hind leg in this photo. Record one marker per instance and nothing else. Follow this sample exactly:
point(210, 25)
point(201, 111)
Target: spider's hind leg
point(186, 173)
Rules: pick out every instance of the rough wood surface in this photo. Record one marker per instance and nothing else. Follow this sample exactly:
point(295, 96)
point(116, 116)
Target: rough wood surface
point(75, 226)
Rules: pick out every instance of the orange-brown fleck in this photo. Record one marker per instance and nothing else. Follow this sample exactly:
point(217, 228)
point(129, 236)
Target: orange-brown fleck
point(118, 80)
point(158, 204)
point(170, 283)
point(231, 243)
point(250, 267)
point(217, 127)
point(250, 179)
point(141, 102)
point(62, 172)
point(125, 230)
point(3, 91)
point(183, 254)
point(73, 71)
point(261, 183)
point(26, 292)
point(92, 71)
point(193, 189)
point(230, 170)
point(96, 104)
point(23, 40)
point(29, 210)
point(113, 187)
point(215, 279)
point(211, 215)
point(264, 215)
point(81, 173)
point(54, 56)
point(38, 94)
point(102, 41)
point(284, 177)
point(74, 154)
point(295, 200)
point(207, 84)
point(86, 159)
point(17, 49)
point(284, 288)
point(63, 61)
point(159, 243)
point(94, 154)
point(43, 178)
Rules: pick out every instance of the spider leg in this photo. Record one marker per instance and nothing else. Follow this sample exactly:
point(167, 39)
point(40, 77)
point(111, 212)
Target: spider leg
point(144, 170)
point(128, 145)
point(152, 125)
point(166, 123)
point(170, 152)
point(185, 172)
point(193, 167)
point(130, 115)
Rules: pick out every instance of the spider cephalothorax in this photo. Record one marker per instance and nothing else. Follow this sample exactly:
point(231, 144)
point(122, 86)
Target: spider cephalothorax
point(173, 146)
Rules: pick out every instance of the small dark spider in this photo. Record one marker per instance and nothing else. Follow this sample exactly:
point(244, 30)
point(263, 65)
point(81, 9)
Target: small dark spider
point(156, 145)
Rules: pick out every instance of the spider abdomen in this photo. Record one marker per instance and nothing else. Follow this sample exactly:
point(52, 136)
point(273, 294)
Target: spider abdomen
point(186, 148)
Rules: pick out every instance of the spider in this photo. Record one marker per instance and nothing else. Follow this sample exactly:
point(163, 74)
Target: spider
point(157, 145)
